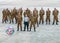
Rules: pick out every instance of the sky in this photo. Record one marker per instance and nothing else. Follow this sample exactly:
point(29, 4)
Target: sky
point(32, 2)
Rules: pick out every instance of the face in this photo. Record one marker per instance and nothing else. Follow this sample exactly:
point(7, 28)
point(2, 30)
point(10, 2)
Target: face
point(26, 15)
point(48, 8)
point(19, 13)
point(34, 8)
point(7, 9)
point(41, 8)
point(20, 8)
point(27, 8)
point(54, 8)
point(15, 8)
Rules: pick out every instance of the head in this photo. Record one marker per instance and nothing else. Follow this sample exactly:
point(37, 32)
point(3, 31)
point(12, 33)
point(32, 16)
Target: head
point(54, 8)
point(4, 9)
point(26, 15)
point(20, 8)
point(14, 7)
point(34, 8)
point(7, 9)
point(19, 13)
point(48, 8)
point(41, 8)
point(27, 9)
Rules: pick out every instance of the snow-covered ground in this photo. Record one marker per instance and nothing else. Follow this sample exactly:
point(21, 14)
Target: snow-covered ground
point(44, 33)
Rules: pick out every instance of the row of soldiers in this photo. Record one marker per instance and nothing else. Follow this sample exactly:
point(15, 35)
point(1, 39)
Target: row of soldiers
point(33, 16)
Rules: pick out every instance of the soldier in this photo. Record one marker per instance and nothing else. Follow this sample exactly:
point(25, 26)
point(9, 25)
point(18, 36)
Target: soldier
point(32, 23)
point(19, 21)
point(20, 11)
point(48, 12)
point(8, 13)
point(15, 13)
point(28, 12)
point(35, 14)
point(55, 14)
point(12, 17)
point(41, 13)
point(4, 19)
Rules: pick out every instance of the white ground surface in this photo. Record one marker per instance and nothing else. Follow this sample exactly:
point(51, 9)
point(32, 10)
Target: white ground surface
point(44, 33)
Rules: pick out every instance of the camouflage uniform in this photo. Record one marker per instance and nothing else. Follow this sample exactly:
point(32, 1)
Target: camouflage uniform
point(41, 13)
point(48, 12)
point(55, 14)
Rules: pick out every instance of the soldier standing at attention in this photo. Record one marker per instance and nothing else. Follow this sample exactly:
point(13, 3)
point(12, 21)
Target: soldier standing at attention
point(4, 18)
point(19, 21)
point(35, 14)
point(55, 14)
point(32, 22)
point(48, 12)
point(41, 13)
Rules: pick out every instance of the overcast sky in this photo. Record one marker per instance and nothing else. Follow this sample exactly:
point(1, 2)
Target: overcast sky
point(32, 2)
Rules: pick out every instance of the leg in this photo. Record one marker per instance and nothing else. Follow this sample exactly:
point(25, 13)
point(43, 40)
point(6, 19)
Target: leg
point(37, 23)
point(5, 21)
point(53, 21)
point(27, 26)
point(21, 26)
point(30, 26)
point(49, 20)
point(24, 26)
point(15, 19)
point(42, 20)
point(12, 21)
point(56, 21)
point(34, 27)
point(18, 27)
point(2, 20)
point(46, 20)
